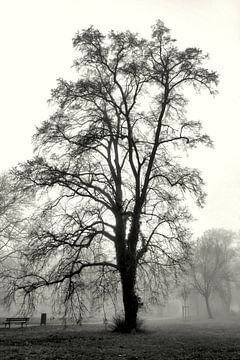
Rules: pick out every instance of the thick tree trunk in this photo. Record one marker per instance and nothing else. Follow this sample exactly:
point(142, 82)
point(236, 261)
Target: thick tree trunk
point(127, 264)
point(130, 300)
point(210, 316)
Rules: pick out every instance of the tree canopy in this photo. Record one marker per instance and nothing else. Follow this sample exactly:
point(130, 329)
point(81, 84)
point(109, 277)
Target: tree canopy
point(109, 167)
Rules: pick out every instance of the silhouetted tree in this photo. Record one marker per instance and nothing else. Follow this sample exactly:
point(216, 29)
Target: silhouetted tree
point(108, 159)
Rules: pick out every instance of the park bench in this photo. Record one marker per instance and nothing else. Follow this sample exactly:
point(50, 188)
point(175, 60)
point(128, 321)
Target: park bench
point(22, 320)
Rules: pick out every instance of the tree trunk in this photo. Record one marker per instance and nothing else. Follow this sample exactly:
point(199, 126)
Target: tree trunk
point(127, 264)
point(210, 316)
point(130, 300)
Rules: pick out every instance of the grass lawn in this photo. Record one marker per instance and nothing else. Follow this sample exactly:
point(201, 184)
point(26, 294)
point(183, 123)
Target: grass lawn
point(160, 340)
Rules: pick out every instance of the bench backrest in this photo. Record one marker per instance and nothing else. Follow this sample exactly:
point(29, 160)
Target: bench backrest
point(17, 319)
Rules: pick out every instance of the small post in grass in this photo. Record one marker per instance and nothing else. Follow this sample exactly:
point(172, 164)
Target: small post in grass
point(105, 321)
point(43, 319)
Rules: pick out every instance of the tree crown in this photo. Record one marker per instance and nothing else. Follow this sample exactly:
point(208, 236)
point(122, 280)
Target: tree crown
point(109, 157)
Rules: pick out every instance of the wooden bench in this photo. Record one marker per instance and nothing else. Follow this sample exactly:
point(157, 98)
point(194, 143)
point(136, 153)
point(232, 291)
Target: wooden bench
point(23, 320)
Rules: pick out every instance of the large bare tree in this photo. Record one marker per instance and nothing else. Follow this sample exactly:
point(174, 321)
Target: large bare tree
point(109, 163)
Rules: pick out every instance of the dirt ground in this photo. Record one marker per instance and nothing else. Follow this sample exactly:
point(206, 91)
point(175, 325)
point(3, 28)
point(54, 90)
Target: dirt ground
point(160, 340)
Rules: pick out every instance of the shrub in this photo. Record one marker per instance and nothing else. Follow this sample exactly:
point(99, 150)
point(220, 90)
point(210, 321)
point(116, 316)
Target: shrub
point(118, 324)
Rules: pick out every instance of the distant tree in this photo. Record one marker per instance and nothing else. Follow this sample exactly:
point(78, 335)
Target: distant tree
point(184, 291)
point(109, 160)
point(11, 226)
point(211, 266)
point(9, 215)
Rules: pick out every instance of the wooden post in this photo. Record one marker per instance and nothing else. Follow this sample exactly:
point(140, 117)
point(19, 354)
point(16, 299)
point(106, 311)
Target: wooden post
point(43, 319)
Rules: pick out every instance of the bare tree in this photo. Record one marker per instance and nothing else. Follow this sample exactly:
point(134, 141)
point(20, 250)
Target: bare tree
point(109, 160)
point(211, 268)
point(10, 204)
point(11, 226)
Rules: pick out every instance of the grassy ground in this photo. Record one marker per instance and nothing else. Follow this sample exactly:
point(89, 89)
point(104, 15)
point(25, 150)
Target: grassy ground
point(161, 340)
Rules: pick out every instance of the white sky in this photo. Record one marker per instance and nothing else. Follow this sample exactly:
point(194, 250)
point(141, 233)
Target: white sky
point(36, 49)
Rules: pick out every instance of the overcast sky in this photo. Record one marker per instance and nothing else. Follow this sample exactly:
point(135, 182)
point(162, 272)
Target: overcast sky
point(36, 49)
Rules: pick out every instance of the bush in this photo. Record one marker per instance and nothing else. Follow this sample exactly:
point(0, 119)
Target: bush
point(118, 324)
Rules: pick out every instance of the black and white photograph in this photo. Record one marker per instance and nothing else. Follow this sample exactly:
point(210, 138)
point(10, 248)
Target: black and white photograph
point(120, 179)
